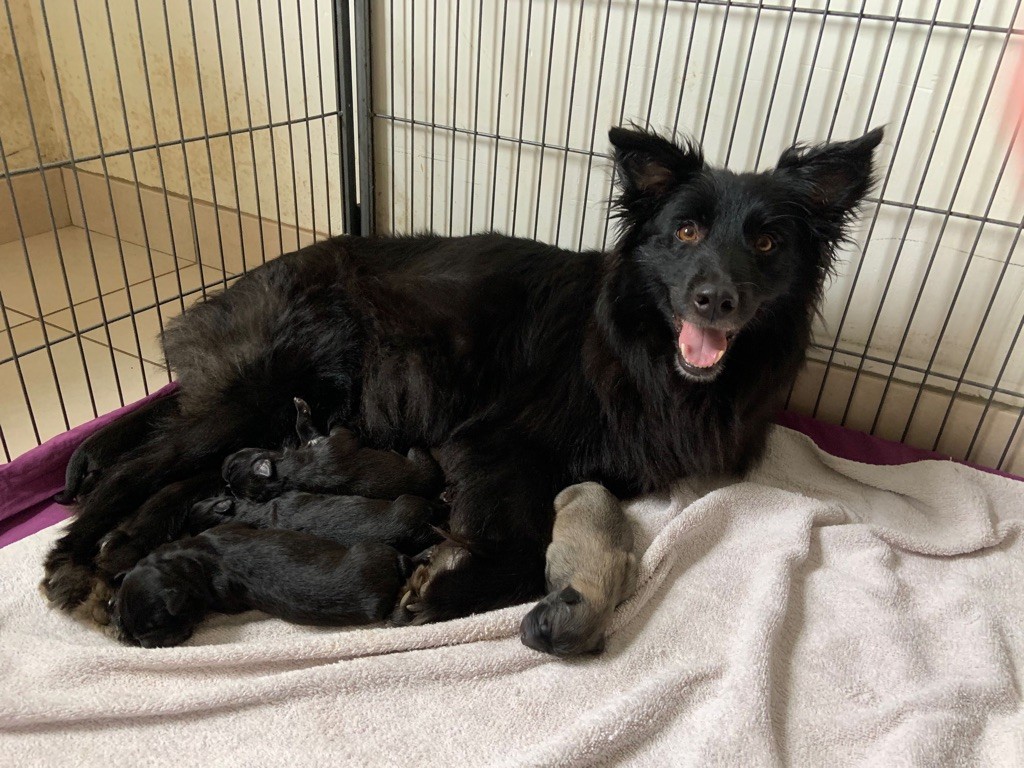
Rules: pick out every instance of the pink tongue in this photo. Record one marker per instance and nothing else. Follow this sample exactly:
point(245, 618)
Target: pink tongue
point(701, 347)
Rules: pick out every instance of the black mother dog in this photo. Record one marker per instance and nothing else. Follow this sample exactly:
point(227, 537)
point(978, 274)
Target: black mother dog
point(523, 366)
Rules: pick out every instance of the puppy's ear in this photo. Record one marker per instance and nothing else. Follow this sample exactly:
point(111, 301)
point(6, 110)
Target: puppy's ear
point(832, 177)
point(224, 506)
point(650, 166)
point(569, 596)
point(175, 600)
point(263, 468)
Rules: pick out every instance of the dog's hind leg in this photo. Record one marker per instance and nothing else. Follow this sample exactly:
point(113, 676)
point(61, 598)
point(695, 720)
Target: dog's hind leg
point(160, 519)
point(500, 526)
point(185, 446)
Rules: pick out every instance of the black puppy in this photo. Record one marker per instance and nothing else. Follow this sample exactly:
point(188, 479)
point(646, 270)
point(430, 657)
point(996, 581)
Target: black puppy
point(405, 523)
point(234, 568)
point(109, 445)
point(335, 463)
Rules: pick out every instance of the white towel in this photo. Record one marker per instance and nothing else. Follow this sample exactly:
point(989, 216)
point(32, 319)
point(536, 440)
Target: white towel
point(822, 612)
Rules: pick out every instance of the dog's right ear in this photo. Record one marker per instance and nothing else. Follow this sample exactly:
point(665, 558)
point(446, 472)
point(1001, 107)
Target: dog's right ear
point(650, 166)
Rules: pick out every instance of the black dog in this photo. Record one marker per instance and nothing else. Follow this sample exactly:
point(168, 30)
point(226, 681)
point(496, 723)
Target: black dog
point(407, 523)
point(105, 447)
point(234, 568)
point(525, 368)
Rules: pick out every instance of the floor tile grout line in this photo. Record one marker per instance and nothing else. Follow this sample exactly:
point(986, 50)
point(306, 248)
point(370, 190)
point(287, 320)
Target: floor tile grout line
point(68, 335)
point(146, 278)
point(28, 318)
point(106, 294)
point(157, 306)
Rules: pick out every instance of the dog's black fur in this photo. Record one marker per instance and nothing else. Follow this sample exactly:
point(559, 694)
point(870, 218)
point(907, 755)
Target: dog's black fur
point(233, 568)
point(107, 446)
point(334, 464)
point(407, 523)
point(524, 367)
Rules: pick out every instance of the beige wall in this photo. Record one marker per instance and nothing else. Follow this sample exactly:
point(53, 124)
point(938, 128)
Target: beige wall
point(435, 181)
point(84, 67)
point(15, 127)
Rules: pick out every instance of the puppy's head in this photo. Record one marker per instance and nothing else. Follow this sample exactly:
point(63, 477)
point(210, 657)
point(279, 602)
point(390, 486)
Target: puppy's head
point(159, 603)
point(251, 473)
point(564, 624)
point(207, 513)
point(714, 250)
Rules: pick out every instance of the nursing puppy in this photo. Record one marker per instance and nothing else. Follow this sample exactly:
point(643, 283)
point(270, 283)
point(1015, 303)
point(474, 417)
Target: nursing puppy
point(235, 567)
point(590, 570)
point(109, 445)
point(407, 523)
point(335, 463)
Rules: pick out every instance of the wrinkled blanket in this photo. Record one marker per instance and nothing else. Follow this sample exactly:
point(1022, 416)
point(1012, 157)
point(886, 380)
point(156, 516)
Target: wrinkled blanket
point(821, 612)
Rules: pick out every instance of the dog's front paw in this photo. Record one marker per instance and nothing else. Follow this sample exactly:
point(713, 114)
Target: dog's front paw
point(416, 598)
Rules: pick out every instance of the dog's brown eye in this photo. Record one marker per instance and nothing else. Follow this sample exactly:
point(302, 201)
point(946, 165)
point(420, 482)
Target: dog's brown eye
point(764, 243)
point(690, 232)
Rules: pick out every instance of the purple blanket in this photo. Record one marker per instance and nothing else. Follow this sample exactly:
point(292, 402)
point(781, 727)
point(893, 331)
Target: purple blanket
point(28, 484)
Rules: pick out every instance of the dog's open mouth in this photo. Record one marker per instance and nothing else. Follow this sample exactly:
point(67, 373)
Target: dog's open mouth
point(702, 348)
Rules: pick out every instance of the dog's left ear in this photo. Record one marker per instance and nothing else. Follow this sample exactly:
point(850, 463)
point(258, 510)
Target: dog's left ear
point(835, 176)
point(650, 166)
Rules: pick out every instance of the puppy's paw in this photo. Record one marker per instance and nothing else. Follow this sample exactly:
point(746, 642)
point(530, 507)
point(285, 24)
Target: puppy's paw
point(415, 597)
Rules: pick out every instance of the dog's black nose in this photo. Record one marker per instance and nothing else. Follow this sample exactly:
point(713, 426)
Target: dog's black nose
point(715, 301)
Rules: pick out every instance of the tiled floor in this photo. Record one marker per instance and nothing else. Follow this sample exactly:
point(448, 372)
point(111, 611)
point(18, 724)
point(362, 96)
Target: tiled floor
point(83, 313)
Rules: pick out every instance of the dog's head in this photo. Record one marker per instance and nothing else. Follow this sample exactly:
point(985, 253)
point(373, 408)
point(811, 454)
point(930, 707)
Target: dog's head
point(251, 473)
point(564, 623)
point(715, 249)
point(160, 601)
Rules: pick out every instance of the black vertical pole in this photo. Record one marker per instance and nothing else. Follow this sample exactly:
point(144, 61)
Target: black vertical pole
point(346, 124)
point(364, 125)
